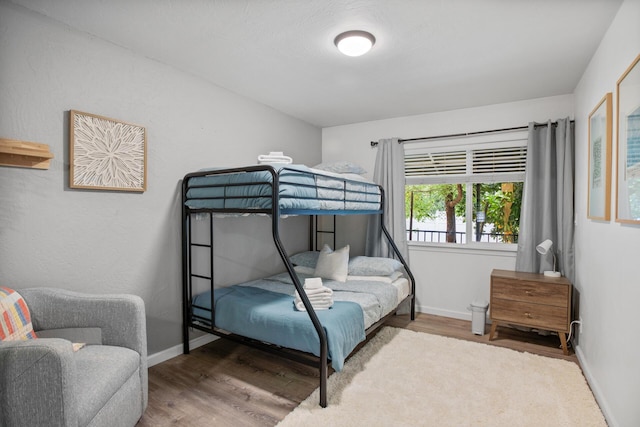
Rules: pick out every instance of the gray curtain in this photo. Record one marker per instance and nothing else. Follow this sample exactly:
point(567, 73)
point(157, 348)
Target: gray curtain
point(389, 173)
point(547, 200)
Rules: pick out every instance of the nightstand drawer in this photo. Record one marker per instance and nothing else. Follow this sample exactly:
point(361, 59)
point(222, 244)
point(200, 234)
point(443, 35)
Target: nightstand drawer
point(534, 292)
point(530, 314)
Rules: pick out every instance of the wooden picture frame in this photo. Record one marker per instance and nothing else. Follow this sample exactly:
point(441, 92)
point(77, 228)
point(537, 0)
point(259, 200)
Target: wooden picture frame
point(628, 145)
point(599, 188)
point(106, 154)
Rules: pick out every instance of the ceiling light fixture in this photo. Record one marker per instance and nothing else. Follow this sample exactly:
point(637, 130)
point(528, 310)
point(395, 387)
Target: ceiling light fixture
point(354, 43)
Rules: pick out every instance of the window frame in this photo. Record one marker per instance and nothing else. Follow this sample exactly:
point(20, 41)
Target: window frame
point(469, 144)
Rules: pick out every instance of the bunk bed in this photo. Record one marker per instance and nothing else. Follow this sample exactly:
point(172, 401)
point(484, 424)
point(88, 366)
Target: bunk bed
point(261, 313)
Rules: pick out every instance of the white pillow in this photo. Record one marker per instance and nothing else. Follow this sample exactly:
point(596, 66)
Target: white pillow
point(333, 265)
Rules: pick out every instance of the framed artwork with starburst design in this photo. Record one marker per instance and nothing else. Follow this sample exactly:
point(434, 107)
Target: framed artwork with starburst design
point(106, 154)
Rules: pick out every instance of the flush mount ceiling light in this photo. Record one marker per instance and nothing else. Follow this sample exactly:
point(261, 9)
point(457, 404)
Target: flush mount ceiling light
point(354, 43)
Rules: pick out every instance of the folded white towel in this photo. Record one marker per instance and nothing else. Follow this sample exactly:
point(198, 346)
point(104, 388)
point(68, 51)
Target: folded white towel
point(316, 296)
point(320, 301)
point(319, 291)
point(274, 157)
point(319, 306)
point(312, 283)
point(320, 297)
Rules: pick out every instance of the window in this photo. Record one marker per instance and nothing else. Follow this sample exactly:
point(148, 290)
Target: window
point(465, 190)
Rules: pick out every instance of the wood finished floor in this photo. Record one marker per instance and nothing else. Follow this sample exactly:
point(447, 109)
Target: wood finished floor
point(228, 384)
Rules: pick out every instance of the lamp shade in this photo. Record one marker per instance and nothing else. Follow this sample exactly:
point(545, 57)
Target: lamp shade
point(544, 247)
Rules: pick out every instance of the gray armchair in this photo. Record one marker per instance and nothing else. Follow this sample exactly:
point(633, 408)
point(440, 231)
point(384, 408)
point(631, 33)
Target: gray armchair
point(43, 382)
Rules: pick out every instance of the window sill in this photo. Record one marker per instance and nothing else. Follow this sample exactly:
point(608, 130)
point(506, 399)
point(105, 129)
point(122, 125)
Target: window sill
point(504, 249)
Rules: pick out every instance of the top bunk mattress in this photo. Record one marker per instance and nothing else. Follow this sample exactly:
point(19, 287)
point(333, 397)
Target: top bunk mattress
point(300, 190)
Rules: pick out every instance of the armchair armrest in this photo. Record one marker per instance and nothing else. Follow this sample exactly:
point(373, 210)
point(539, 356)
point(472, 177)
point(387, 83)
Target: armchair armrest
point(36, 383)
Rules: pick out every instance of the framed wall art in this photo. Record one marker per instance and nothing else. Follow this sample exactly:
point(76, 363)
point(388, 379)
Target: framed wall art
point(106, 154)
point(628, 131)
point(599, 189)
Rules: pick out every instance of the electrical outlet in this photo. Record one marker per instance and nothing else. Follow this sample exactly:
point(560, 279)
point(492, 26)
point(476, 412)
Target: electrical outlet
point(580, 320)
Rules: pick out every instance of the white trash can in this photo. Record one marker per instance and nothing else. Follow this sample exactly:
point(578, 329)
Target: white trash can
point(478, 316)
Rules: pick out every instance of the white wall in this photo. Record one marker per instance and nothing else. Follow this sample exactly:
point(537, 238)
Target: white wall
point(607, 253)
point(99, 241)
point(447, 278)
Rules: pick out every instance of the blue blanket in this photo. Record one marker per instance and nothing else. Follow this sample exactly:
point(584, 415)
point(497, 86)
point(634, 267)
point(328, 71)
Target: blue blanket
point(253, 190)
point(300, 188)
point(271, 317)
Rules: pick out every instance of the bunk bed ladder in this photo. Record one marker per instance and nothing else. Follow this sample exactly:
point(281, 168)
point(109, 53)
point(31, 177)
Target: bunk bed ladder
point(315, 239)
point(188, 275)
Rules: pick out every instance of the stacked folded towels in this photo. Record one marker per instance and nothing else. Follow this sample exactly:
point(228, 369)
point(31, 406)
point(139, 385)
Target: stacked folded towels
point(320, 296)
point(274, 157)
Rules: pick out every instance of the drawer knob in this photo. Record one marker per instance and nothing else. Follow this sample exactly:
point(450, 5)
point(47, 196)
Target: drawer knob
point(527, 315)
point(528, 292)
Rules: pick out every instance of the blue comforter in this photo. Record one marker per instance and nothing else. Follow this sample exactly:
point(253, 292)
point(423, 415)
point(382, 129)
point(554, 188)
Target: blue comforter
point(252, 190)
point(271, 317)
point(300, 188)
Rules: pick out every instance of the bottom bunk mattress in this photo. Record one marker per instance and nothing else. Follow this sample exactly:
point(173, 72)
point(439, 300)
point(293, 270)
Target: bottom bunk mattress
point(264, 310)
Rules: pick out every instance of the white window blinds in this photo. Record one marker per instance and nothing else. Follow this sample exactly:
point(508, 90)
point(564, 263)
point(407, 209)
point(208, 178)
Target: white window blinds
point(485, 158)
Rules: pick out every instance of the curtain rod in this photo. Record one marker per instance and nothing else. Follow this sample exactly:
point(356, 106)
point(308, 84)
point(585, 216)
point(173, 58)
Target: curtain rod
point(480, 132)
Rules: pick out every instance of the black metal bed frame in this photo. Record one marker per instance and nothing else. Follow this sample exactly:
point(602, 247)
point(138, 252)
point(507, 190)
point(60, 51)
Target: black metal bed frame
point(208, 325)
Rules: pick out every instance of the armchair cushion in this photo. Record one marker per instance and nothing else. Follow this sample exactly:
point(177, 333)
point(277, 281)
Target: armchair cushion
point(15, 319)
point(104, 370)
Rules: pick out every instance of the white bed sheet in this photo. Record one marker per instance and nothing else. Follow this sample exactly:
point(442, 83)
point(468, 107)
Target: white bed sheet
point(373, 307)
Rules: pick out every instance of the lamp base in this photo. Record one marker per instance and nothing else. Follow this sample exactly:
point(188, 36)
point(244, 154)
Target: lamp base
point(550, 273)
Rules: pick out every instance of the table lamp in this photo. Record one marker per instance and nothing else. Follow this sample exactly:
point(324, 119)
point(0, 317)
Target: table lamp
point(543, 248)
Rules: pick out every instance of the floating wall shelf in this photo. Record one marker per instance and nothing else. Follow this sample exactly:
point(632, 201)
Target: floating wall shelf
point(24, 154)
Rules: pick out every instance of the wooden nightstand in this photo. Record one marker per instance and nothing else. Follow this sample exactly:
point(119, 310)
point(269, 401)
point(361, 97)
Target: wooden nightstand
point(531, 300)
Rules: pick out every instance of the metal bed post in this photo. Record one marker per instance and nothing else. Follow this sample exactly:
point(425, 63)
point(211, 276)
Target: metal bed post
point(275, 226)
point(211, 283)
point(185, 278)
point(399, 255)
point(312, 220)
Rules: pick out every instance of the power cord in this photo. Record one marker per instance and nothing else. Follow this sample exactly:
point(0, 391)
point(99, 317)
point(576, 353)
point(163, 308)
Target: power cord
point(571, 329)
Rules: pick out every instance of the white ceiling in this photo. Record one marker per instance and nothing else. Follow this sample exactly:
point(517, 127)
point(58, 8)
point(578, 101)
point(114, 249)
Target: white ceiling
point(430, 55)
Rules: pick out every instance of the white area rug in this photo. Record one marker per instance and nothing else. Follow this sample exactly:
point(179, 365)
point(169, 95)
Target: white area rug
point(406, 378)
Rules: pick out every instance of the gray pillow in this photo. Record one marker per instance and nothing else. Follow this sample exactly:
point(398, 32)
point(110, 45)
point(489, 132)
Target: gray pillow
point(341, 167)
point(373, 266)
point(305, 259)
point(358, 266)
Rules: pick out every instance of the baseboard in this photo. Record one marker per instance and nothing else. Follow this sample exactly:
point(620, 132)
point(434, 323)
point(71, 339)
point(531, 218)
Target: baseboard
point(444, 313)
point(177, 350)
point(595, 389)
